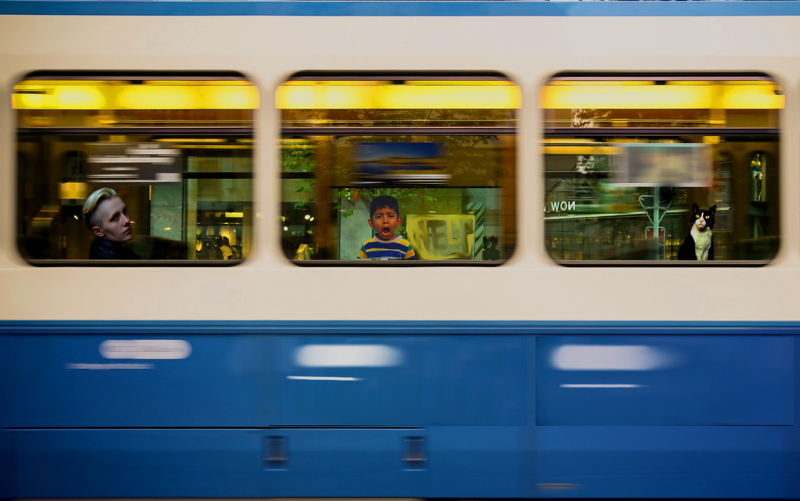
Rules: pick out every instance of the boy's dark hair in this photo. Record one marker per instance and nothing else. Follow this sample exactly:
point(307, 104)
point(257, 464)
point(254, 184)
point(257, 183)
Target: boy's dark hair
point(384, 201)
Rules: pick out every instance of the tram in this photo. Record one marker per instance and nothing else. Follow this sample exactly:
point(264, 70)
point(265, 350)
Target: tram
point(546, 165)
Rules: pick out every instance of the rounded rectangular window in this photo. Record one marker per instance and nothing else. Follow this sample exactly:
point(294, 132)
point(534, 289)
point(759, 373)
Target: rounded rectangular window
point(135, 168)
point(657, 169)
point(398, 168)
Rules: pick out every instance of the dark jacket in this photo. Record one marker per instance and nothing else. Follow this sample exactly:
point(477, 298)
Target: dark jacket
point(103, 248)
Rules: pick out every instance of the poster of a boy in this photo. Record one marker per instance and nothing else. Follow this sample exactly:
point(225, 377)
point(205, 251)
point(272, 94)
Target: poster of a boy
point(384, 219)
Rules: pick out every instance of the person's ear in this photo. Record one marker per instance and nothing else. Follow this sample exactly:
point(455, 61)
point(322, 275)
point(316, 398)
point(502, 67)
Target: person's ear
point(370, 223)
point(97, 231)
point(399, 220)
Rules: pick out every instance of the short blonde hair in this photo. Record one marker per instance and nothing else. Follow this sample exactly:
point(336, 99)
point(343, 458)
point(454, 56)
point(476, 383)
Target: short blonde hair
point(90, 206)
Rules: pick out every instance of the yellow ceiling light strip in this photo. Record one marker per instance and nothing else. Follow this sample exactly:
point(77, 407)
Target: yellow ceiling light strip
point(83, 95)
point(455, 95)
point(581, 150)
point(626, 97)
point(752, 97)
point(232, 98)
point(482, 83)
point(191, 140)
point(695, 95)
point(570, 83)
point(72, 97)
point(145, 97)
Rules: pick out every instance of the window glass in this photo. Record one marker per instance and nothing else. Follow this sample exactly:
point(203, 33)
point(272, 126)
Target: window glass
point(677, 168)
point(174, 151)
point(398, 168)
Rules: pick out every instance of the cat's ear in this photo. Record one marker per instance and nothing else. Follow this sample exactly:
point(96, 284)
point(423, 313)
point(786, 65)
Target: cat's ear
point(695, 208)
point(712, 210)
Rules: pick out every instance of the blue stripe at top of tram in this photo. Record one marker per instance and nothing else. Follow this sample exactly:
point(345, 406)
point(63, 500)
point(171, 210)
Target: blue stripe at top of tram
point(400, 8)
point(465, 327)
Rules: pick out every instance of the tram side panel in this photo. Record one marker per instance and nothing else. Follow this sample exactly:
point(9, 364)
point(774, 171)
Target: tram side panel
point(793, 447)
point(138, 463)
point(673, 416)
point(7, 480)
point(137, 415)
point(446, 414)
point(137, 380)
point(262, 415)
point(422, 416)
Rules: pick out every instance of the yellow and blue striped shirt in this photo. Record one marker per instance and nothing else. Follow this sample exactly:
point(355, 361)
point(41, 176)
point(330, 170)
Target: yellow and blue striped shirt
point(399, 248)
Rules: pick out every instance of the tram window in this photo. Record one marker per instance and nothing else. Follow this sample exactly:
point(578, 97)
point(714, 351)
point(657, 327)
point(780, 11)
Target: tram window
point(628, 157)
point(176, 149)
point(438, 151)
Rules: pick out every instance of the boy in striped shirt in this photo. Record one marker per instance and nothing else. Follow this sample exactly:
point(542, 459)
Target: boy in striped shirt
point(384, 220)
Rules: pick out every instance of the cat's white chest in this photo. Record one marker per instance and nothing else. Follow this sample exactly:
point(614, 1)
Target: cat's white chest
point(702, 243)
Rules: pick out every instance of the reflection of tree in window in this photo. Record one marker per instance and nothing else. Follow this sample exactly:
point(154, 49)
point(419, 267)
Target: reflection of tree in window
point(758, 170)
point(758, 190)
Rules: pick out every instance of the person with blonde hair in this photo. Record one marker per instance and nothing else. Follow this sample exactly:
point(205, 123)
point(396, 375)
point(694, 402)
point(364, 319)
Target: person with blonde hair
point(106, 215)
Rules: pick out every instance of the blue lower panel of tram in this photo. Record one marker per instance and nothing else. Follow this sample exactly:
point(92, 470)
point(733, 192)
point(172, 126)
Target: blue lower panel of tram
point(200, 381)
point(138, 463)
point(666, 416)
point(257, 415)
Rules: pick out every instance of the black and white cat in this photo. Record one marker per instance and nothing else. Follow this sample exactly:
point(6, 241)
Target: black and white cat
point(699, 245)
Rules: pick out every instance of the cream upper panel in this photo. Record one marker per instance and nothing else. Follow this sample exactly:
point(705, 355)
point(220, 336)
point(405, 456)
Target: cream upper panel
point(528, 50)
point(387, 36)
